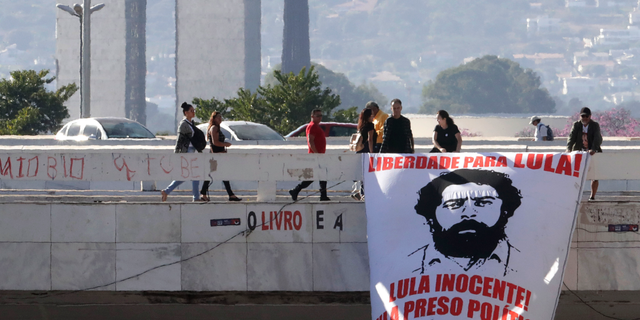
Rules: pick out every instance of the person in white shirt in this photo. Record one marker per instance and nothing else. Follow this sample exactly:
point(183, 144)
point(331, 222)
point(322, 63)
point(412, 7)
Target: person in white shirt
point(541, 130)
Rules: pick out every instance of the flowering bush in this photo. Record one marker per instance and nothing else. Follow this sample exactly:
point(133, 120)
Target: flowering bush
point(467, 133)
point(616, 122)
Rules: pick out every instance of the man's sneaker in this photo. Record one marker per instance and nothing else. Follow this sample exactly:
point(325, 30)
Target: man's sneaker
point(356, 196)
point(325, 198)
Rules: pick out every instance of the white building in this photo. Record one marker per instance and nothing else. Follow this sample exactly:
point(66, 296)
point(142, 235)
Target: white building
point(577, 85)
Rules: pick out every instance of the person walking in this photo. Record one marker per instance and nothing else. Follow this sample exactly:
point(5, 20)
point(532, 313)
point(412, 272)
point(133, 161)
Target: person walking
point(446, 136)
point(379, 118)
point(317, 143)
point(369, 136)
point(216, 145)
point(585, 135)
point(186, 131)
point(398, 137)
point(541, 132)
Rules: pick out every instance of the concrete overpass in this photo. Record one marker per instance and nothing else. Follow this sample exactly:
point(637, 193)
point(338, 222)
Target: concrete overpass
point(67, 253)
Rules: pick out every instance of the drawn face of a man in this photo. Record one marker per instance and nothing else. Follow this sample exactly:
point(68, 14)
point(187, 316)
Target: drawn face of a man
point(468, 201)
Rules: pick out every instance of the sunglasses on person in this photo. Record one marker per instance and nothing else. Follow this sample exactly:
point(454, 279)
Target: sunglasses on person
point(584, 116)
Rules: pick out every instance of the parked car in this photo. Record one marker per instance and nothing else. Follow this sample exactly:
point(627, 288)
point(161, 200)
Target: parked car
point(331, 129)
point(244, 130)
point(107, 128)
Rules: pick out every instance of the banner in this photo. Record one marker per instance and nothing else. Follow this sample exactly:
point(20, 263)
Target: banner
point(470, 236)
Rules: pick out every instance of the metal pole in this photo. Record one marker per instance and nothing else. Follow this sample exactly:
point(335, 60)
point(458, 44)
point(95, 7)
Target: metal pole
point(80, 55)
point(85, 95)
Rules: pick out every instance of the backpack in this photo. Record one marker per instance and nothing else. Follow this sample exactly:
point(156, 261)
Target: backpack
point(549, 132)
point(355, 143)
point(198, 140)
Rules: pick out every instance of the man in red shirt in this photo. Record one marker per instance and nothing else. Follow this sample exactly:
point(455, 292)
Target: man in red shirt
point(317, 143)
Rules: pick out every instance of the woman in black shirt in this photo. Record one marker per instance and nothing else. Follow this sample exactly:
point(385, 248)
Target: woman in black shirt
point(446, 136)
point(217, 145)
point(367, 131)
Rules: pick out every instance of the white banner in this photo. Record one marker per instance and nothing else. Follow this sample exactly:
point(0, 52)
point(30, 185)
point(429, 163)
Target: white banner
point(470, 236)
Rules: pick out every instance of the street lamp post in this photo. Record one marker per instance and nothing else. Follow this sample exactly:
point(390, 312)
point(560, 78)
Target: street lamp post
point(84, 11)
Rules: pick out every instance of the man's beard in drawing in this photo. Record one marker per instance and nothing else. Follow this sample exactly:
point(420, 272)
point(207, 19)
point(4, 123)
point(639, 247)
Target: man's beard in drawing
point(477, 240)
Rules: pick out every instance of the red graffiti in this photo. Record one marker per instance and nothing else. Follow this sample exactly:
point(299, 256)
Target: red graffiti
point(52, 172)
point(130, 173)
point(162, 167)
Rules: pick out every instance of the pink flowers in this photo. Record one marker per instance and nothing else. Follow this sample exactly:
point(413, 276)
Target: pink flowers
point(616, 122)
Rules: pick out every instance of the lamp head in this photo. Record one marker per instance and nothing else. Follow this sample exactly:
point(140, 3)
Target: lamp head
point(77, 8)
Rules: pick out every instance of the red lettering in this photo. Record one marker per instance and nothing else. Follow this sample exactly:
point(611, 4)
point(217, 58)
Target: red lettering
point(162, 167)
point(455, 162)
point(52, 172)
point(502, 162)
point(271, 220)
point(408, 307)
point(456, 306)
point(20, 175)
point(149, 164)
point(394, 313)
point(564, 165)
point(392, 292)
point(431, 304)
point(490, 161)
point(287, 220)
point(412, 287)
point(443, 304)
point(421, 163)
point(387, 163)
point(409, 162)
point(184, 167)
point(448, 282)
point(478, 162)
point(445, 162)
point(474, 305)
point(36, 166)
point(520, 297)
point(486, 312)
point(297, 220)
point(403, 288)
point(548, 163)
point(194, 167)
point(421, 308)
point(398, 163)
point(278, 218)
point(576, 165)
point(467, 161)
point(511, 287)
point(371, 167)
point(498, 289)
point(71, 171)
point(130, 173)
point(433, 163)
point(423, 287)
point(6, 168)
point(534, 161)
point(462, 283)
point(475, 284)
point(518, 162)
point(486, 287)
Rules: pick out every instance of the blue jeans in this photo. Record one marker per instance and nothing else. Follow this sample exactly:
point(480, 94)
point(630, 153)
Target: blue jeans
point(194, 184)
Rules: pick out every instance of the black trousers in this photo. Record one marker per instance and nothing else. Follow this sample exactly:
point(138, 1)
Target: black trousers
point(206, 183)
point(304, 184)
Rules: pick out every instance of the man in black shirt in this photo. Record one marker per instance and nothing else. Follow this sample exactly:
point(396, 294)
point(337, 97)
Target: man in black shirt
point(398, 137)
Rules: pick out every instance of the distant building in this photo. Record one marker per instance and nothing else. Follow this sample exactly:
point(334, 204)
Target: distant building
point(217, 48)
point(577, 85)
point(542, 24)
point(617, 36)
point(581, 3)
point(118, 65)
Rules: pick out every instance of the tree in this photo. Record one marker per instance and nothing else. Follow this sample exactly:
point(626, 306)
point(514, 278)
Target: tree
point(283, 106)
point(487, 85)
point(295, 39)
point(26, 107)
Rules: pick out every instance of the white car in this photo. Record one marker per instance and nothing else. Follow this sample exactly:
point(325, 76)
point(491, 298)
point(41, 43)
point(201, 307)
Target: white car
point(107, 128)
point(244, 130)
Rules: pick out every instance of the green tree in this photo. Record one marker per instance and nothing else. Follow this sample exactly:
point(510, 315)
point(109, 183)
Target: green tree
point(487, 85)
point(27, 108)
point(204, 108)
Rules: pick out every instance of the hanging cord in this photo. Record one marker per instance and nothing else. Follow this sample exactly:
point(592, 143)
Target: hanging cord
point(591, 307)
point(245, 232)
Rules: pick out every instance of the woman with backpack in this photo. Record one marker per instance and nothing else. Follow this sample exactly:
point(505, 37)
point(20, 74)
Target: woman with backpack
point(368, 135)
point(216, 145)
point(186, 132)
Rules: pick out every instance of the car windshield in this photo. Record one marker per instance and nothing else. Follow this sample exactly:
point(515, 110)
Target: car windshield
point(123, 129)
point(254, 132)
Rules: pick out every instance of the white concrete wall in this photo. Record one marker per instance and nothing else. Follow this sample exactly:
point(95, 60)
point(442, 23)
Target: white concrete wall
point(124, 247)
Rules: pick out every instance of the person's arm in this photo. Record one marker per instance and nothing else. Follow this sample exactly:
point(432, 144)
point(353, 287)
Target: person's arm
point(544, 136)
point(572, 139)
point(410, 135)
point(597, 139)
point(370, 139)
point(385, 142)
point(459, 146)
point(312, 143)
point(215, 136)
